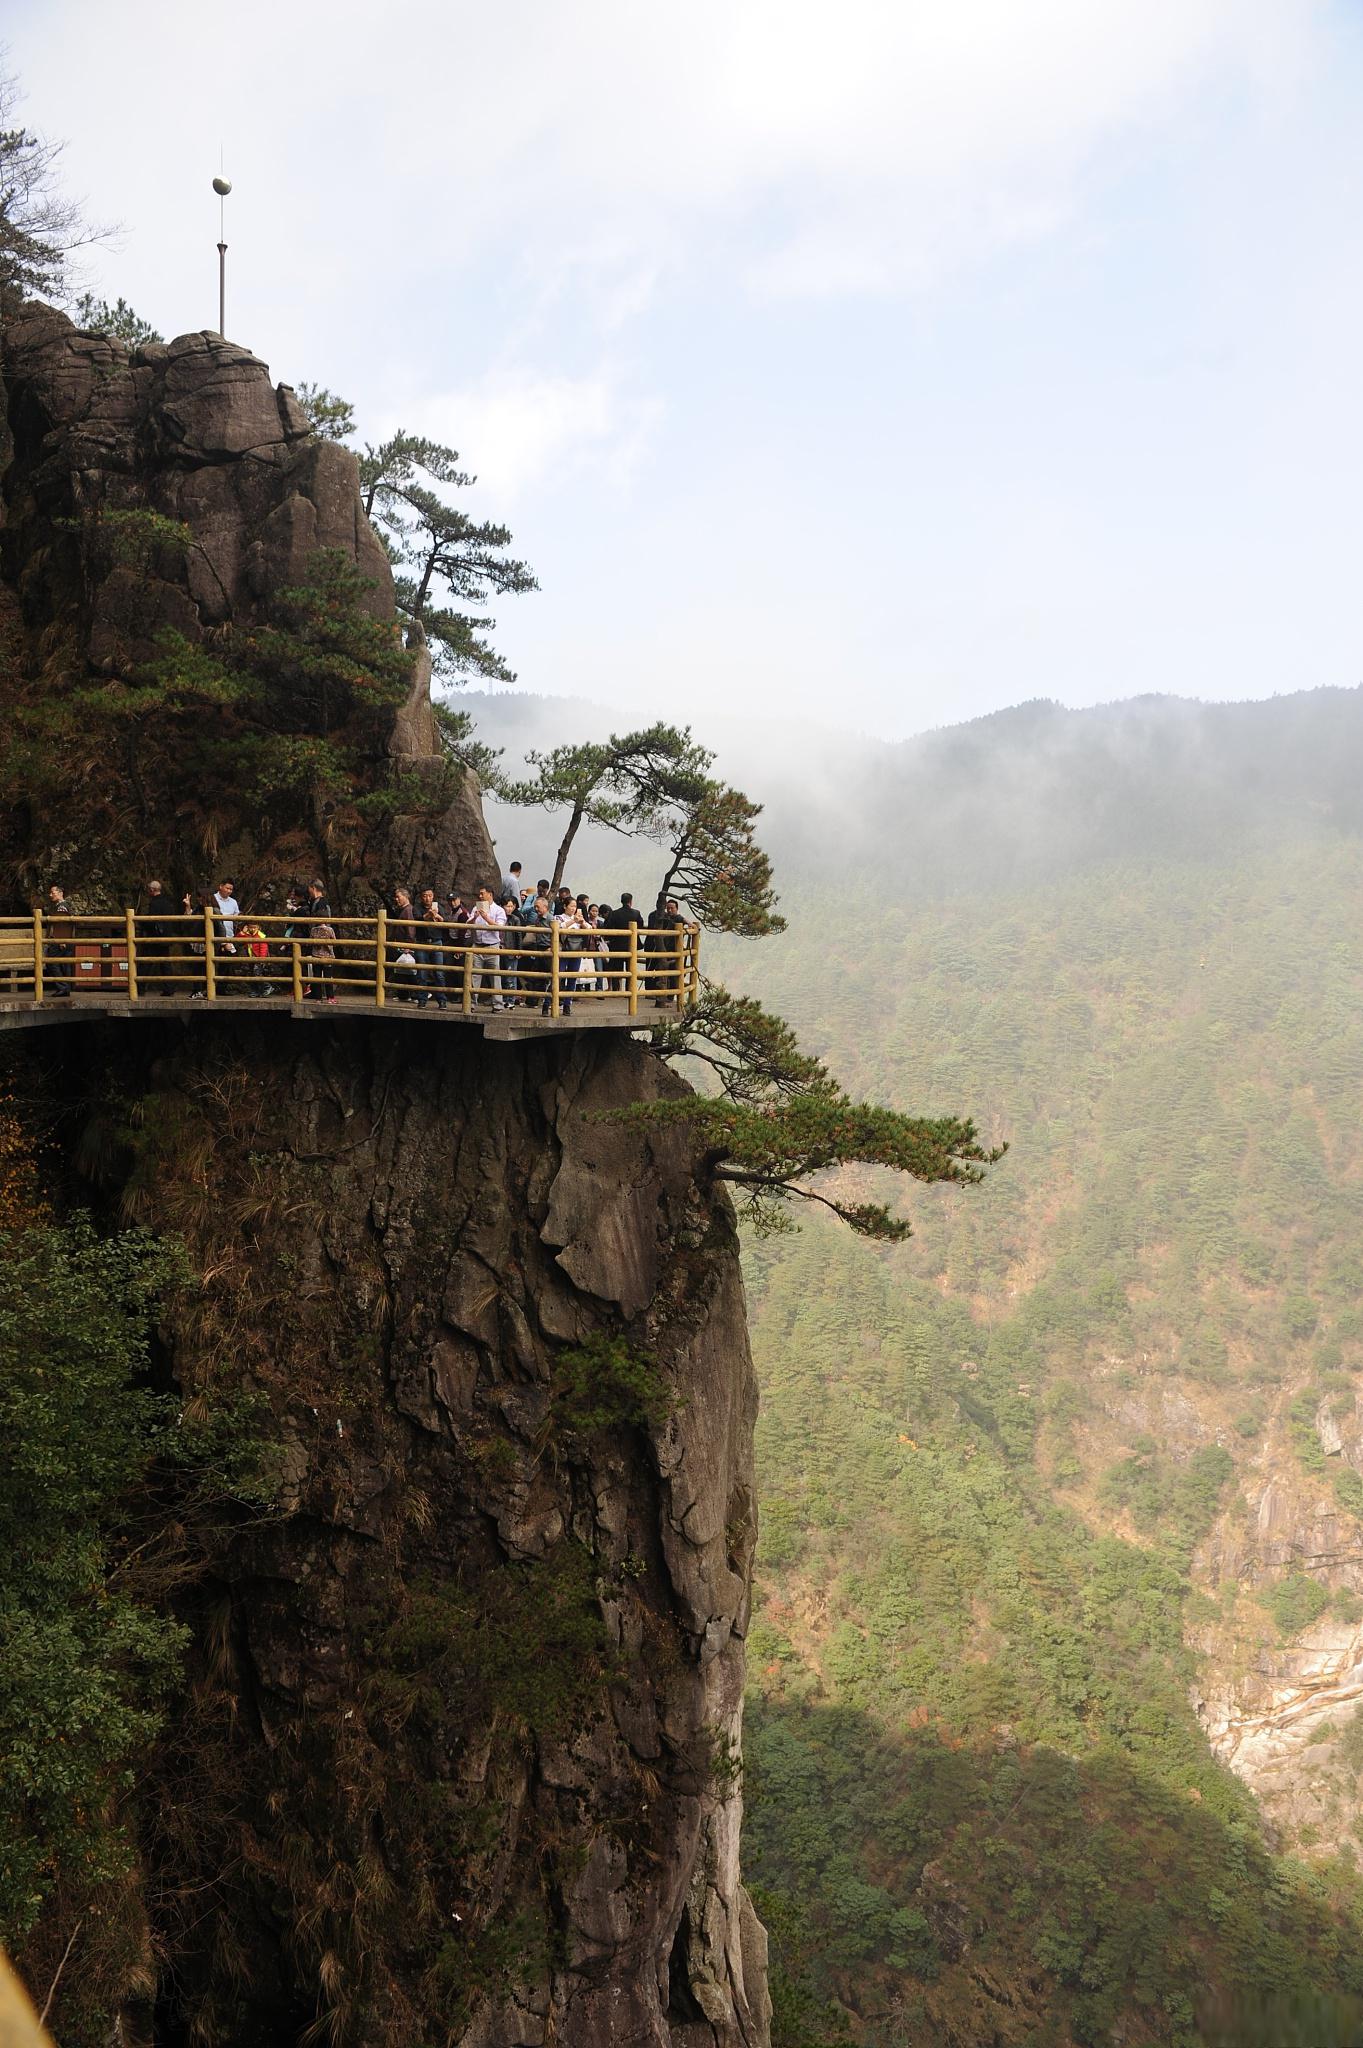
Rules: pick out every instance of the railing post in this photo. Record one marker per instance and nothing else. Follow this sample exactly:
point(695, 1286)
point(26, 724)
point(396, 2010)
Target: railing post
point(466, 995)
point(130, 925)
point(693, 994)
point(296, 952)
point(210, 964)
point(553, 970)
point(380, 957)
point(634, 970)
point(37, 956)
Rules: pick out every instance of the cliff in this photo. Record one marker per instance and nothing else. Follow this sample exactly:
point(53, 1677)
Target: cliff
point(456, 1758)
point(175, 491)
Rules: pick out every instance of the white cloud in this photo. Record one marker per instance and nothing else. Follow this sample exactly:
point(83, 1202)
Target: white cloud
point(532, 430)
point(813, 148)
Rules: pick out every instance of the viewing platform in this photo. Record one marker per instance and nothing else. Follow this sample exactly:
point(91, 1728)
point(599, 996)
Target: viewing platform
point(538, 981)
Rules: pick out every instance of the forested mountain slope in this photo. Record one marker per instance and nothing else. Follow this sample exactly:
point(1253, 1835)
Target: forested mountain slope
point(1082, 1458)
point(1054, 1730)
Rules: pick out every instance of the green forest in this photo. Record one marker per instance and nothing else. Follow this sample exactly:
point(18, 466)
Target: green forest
point(981, 1804)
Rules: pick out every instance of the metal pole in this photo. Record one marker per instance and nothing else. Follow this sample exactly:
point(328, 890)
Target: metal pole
point(222, 186)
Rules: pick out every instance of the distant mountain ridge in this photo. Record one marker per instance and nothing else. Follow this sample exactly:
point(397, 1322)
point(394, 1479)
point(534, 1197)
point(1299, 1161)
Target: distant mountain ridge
point(1031, 791)
point(1058, 1642)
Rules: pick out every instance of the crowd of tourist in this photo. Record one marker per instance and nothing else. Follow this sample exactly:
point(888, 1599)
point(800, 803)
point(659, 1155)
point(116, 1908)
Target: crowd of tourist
point(504, 941)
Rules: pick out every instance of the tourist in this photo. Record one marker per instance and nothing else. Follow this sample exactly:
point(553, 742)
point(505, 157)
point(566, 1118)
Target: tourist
point(597, 949)
point(618, 924)
point(206, 908)
point(489, 920)
point(157, 949)
point(568, 919)
point(590, 944)
point(511, 954)
point(323, 945)
point(257, 950)
point(457, 943)
point(402, 946)
point(537, 922)
point(432, 956)
point(60, 952)
point(318, 911)
point(665, 924)
point(228, 908)
point(511, 882)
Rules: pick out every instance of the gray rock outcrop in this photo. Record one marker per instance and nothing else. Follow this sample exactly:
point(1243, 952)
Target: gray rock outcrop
point(455, 1758)
point(459, 1214)
point(194, 431)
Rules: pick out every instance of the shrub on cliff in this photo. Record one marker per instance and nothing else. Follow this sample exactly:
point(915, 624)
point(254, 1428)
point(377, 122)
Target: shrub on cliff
point(83, 1663)
point(273, 732)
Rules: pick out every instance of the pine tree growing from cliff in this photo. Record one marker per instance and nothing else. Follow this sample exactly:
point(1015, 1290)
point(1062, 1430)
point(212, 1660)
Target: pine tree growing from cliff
point(778, 1128)
point(121, 322)
point(656, 784)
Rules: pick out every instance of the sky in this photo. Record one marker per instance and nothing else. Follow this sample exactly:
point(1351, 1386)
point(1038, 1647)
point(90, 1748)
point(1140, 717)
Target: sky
point(872, 365)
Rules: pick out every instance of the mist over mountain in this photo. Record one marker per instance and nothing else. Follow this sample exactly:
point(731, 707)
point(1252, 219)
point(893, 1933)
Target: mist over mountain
point(1053, 1729)
point(1035, 791)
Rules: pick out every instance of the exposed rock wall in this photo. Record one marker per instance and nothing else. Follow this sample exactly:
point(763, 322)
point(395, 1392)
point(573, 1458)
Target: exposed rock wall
point(1278, 1710)
point(195, 431)
point(531, 1835)
point(1277, 1705)
point(457, 1761)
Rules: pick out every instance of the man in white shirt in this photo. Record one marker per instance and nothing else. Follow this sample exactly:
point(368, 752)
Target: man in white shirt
point(224, 896)
point(228, 908)
point(489, 920)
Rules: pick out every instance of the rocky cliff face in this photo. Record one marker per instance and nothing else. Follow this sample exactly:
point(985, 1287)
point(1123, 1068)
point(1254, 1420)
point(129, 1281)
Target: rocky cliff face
point(1277, 1700)
point(457, 1760)
point(195, 433)
point(1278, 1706)
point(193, 429)
point(458, 1756)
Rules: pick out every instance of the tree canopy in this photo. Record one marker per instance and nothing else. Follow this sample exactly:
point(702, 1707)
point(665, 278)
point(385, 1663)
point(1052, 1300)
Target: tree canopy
point(779, 1119)
point(39, 226)
point(443, 561)
point(331, 418)
point(656, 783)
point(121, 322)
point(276, 731)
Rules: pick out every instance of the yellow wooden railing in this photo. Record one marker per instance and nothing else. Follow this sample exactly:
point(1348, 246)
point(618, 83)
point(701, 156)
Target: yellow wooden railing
point(19, 2025)
point(379, 962)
